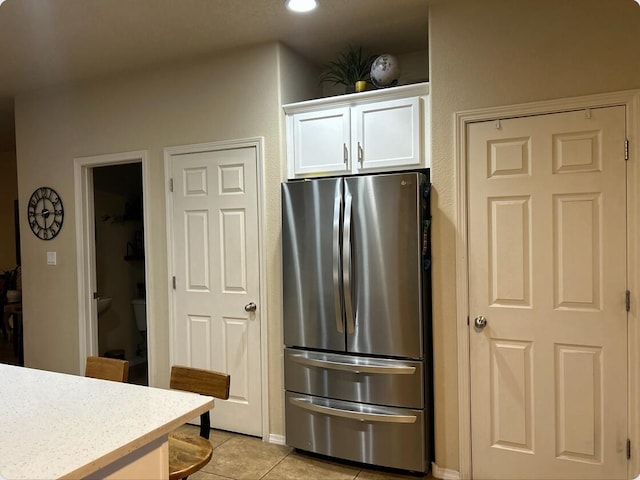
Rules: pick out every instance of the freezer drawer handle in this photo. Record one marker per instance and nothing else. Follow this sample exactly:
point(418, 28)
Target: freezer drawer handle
point(351, 367)
point(361, 416)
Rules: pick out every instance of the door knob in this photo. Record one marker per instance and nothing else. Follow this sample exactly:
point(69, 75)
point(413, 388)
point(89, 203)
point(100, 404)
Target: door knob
point(480, 322)
point(250, 307)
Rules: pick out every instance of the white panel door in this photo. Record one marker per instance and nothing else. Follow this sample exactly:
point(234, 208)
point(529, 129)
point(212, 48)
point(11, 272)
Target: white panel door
point(215, 241)
point(547, 270)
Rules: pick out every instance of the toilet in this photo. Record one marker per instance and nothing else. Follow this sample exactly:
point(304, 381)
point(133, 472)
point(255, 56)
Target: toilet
point(140, 312)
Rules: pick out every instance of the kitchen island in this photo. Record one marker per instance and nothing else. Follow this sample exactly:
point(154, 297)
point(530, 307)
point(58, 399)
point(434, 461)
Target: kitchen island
point(54, 425)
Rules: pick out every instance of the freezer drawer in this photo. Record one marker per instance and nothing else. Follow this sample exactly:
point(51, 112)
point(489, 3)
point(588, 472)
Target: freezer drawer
point(389, 437)
point(398, 383)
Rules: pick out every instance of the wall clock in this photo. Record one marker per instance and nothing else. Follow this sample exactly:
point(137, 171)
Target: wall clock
point(45, 213)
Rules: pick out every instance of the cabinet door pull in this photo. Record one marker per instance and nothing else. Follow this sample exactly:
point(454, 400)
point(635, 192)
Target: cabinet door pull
point(345, 153)
point(360, 154)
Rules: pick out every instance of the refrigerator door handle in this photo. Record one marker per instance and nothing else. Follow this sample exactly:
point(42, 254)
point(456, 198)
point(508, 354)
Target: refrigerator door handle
point(336, 263)
point(360, 416)
point(346, 263)
point(354, 367)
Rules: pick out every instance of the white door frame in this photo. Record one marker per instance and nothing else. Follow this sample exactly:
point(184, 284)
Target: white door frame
point(631, 100)
point(86, 250)
point(258, 144)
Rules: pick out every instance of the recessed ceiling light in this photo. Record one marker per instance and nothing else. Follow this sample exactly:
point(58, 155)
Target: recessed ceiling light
point(301, 5)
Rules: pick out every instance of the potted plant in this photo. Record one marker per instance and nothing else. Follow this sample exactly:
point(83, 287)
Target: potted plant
point(352, 68)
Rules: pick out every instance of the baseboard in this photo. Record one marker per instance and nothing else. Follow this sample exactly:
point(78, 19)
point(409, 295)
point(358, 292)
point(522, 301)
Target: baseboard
point(444, 473)
point(276, 439)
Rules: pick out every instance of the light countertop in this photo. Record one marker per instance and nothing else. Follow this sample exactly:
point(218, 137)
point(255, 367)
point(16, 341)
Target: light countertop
point(55, 425)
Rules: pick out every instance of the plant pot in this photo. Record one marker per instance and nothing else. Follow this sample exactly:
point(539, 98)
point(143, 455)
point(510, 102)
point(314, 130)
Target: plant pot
point(361, 86)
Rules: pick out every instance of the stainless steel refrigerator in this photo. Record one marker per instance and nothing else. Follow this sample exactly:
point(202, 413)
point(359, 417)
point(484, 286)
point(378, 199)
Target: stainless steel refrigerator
point(357, 332)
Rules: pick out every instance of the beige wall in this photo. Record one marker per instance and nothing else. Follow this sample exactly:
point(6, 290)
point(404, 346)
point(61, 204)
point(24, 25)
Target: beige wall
point(8, 193)
point(227, 97)
point(297, 81)
point(500, 52)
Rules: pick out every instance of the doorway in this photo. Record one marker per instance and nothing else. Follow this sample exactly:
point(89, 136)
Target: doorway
point(112, 216)
point(120, 266)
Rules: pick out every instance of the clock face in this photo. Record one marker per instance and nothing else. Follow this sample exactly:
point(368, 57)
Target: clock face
point(45, 213)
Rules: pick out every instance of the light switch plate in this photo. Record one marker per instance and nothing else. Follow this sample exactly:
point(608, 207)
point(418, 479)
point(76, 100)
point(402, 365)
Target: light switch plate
point(51, 258)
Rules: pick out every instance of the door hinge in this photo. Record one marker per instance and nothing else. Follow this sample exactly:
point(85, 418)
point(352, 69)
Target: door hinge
point(174, 283)
point(171, 185)
point(626, 149)
point(627, 300)
point(628, 449)
point(467, 320)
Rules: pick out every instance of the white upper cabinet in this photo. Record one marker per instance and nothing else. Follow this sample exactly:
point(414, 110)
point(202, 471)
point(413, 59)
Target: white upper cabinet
point(387, 134)
point(321, 141)
point(376, 131)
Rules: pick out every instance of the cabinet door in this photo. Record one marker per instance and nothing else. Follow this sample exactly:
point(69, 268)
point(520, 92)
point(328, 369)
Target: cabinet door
point(387, 134)
point(320, 141)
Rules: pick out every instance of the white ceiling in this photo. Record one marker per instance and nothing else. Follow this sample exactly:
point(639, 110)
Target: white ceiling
point(48, 42)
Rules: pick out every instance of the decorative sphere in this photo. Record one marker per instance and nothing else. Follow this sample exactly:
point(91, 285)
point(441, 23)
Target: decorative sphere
point(385, 71)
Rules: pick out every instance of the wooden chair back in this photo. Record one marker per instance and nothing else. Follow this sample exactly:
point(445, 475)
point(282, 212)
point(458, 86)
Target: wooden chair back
point(107, 369)
point(189, 453)
point(204, 382)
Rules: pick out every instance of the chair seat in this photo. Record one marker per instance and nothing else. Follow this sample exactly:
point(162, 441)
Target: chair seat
point(187, 454)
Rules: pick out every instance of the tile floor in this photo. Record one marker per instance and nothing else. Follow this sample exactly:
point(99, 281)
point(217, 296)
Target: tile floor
point(240, 457)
